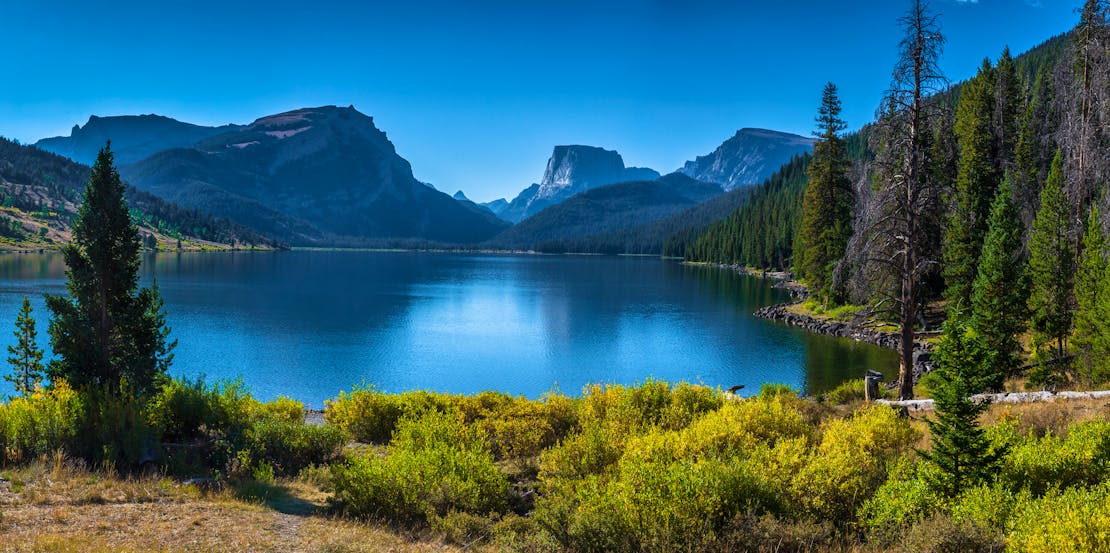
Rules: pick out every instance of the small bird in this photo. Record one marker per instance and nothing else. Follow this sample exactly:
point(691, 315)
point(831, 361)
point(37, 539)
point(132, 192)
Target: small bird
point(735, 389)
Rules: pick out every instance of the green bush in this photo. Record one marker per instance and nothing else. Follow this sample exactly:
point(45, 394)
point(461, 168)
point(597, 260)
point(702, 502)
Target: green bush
point(185, 409)
point(1072, 520)
point(515, 426)
point(902, 501)
point(851, 462)
point(46, 421)
point(1040, 464)
point(370, 416)
point(434, 465)
point(850, 391)
point(291, 446)
point(284, 409)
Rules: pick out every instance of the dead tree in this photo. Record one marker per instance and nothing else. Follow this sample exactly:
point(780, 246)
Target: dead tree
point(897, 240)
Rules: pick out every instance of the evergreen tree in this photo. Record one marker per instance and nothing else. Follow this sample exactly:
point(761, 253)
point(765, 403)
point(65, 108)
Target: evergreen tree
point(1092, 298)
point(960, 447)
point(108, 333)
point(25, 357)
point(976, 182)
point(826, 223)
point(1007, 107)
point(1051, 264)
point(999, 294)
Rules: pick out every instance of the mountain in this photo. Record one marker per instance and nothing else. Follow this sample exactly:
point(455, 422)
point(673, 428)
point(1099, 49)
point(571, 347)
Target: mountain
point(748, 158)
point(497, 206)
point(460, 196)
point(607, 208)
point(665, 236)
point(40, 193)
point(570, 170)
point(313, 176)
point(133, 137)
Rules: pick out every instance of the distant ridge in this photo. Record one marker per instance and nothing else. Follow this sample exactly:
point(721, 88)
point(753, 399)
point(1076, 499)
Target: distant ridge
point(747, 158)
point(133, 137)
point(312, 176)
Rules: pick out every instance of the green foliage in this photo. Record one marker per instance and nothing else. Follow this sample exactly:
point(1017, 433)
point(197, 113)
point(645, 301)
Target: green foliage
point(851, 462)
point(288, 447)
point(1076, 519)
point(960, 448)
point(108, 333)
point(1092, 298)
point(370, 416)
point(434, 465)
point(977, 177)
point(761, 232)
point(850, 391)
point(999, 293)
point(1037, 465)
point(40, 423)
point(1052, 263)
point(826, 222)
point(900, 502)
point(25, 357)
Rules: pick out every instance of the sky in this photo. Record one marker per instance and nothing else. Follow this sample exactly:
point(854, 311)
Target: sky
point(475, 93)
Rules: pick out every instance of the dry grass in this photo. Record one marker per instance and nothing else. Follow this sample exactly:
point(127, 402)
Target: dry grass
point(56, 505)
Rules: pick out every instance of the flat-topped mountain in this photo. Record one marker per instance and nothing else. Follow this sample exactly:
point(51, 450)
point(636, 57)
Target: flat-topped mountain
point(570, 170)
point(749, 157)
point(311, 176)
point(133, 137)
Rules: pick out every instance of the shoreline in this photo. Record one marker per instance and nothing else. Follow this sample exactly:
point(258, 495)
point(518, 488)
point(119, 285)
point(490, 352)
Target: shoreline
point(922, 353)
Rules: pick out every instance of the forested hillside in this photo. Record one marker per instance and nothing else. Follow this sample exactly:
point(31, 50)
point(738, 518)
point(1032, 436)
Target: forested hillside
point(989, 194)
point(40, 192)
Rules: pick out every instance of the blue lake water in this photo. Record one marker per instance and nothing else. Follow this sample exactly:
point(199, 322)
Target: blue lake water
point(308, 324)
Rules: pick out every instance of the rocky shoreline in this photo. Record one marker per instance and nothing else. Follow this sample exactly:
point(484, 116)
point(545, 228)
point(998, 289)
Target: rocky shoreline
point(922, 355)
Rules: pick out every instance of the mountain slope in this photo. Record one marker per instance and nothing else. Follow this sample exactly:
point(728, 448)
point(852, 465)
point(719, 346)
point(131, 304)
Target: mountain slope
point(748, 158)
point(607, 209)
point(570, 170)
point(664, 236)
point(133, 137)
point(40, 192)
point(311, 176)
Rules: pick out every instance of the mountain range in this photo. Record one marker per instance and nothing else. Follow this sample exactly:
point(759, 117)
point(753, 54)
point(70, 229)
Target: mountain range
point(329, 176)
point(312, 176)
point(133, 137)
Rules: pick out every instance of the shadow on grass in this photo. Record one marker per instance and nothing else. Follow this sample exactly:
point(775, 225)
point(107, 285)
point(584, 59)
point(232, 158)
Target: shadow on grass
point(275, 496)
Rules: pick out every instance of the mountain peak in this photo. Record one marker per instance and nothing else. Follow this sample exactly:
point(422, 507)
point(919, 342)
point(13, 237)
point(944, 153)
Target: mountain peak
point(748, 157)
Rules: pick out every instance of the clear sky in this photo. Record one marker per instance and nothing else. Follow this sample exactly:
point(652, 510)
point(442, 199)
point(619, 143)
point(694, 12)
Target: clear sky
point(476, 92)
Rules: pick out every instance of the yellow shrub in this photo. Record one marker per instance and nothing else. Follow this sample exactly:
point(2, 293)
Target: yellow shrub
point(1075, 520)
point(851, 462)
point(45, 421)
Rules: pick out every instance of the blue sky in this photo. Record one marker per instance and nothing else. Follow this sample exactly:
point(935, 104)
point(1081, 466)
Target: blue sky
point(476, 92)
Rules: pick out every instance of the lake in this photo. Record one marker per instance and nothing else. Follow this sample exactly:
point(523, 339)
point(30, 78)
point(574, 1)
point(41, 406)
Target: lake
point(308, 324)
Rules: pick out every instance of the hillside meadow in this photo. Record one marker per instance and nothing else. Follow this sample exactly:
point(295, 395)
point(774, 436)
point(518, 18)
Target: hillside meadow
point(652, 467)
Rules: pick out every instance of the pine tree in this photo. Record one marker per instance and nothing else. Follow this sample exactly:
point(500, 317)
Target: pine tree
point(25, 357)
point(960, 447)
point(1051, 264)
point(827, 205)
point(999, 294)
point(108, 333)
point(1092, 298)
point(1007, 107)
point(976, 182)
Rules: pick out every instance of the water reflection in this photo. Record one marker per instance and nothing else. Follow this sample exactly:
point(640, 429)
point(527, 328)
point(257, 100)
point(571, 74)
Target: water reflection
point(309, 324)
